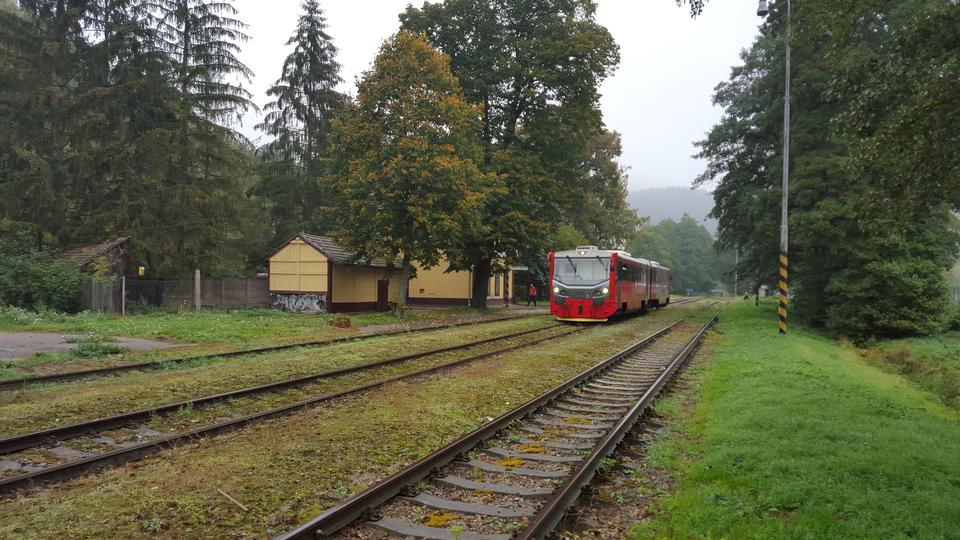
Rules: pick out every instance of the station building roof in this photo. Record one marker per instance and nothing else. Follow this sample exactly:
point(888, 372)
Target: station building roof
point(339, 254)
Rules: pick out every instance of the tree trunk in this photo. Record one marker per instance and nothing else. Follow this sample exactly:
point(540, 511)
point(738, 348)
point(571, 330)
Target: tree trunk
point(487, 136)
point(404, 284)
point(481, 282)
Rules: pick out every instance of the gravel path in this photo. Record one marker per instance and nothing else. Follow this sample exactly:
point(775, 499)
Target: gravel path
point(21, 345)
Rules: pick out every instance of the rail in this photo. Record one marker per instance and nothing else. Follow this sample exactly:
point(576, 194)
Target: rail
point(552, 512)
point(366, 502)
point(163, 364)
point(138, 451)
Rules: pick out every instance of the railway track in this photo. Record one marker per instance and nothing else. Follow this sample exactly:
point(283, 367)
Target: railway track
point(13, 384)
point(74, 449)
point(516, 476)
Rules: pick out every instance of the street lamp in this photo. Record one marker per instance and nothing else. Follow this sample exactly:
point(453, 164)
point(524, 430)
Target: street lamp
point(762, 9)
point(784, 229)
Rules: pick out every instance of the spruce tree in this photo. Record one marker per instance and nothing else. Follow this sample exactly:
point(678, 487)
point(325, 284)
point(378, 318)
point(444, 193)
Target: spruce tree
point(305, 102)
point(194, 192)
point(202, 39)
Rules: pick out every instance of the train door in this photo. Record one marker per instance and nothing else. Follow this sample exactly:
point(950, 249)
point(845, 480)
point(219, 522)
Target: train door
point(651, 286)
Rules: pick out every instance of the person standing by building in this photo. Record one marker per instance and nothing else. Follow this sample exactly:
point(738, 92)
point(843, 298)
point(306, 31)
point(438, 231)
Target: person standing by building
point(532, 295)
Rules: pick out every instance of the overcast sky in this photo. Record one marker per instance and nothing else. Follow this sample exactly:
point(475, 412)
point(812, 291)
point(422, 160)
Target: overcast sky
point(659, 99)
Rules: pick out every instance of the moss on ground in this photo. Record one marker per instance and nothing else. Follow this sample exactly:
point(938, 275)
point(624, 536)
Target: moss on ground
point(42, 406)
point(288, 469)
point(799, 437)
point(206, 332)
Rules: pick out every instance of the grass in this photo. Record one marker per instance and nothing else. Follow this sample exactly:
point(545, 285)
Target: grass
point(241, 326)
point(799, 437)
point(291, 468)
point(39, 406)
point(932, 363)
point(212, 331)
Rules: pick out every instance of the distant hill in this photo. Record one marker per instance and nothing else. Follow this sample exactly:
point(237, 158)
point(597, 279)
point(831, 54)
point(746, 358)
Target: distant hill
point(672, 203)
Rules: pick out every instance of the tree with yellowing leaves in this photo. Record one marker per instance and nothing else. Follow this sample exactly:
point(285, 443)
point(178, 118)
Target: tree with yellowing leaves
point(406, 182)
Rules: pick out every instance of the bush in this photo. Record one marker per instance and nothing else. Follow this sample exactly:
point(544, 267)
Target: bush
point(954, 321)
point(37, 281)
point(888, 298)
point(29, 276)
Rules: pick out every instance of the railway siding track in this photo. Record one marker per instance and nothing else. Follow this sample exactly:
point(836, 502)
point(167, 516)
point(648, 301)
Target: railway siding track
point(107, 451)
point(13, 384)
point(516, 476)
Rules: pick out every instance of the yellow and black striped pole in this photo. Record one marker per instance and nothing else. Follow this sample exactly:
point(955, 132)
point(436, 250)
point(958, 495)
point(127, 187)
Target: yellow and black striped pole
point(784, 225)
point(782, 311)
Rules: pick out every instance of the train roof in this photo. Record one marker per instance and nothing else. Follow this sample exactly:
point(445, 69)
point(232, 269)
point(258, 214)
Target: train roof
point(593, 251)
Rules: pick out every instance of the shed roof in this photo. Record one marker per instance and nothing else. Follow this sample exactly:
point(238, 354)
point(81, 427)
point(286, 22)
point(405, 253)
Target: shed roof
point(84, 255)
point(339, 254)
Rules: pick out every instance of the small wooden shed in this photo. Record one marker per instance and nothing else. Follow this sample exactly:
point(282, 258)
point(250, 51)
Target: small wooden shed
point(316, 273)
point(106, 256)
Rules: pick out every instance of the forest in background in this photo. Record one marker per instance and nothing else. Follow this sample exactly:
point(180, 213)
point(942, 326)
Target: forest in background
point(875, 172)
point(118, 120)
point(672, 203)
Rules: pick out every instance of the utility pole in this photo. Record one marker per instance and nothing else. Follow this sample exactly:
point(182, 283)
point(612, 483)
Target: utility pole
point(736, 274)
point(196, 290)
point(784, 227)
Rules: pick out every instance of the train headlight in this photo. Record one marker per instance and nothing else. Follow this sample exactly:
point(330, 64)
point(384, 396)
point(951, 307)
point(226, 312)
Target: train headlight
point(556, 290)
point(606, 290)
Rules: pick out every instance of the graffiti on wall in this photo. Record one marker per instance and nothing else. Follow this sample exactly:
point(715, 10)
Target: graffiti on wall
point(299, 303)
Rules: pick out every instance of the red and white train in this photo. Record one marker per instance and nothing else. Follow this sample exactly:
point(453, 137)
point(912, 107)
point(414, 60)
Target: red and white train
point(591, 285)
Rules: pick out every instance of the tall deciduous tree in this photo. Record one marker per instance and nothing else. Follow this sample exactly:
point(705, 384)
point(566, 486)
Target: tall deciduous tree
point(535, 67)
point(305, 102)
point(897, 66)
point(407, 182)
point(864, 261)
point(601, 210)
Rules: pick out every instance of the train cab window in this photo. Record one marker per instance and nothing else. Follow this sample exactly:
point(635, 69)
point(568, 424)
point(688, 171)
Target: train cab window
point(581, 270)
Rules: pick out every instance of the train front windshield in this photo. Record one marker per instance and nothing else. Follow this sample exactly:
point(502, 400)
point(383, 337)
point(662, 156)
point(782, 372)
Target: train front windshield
point(581, 271)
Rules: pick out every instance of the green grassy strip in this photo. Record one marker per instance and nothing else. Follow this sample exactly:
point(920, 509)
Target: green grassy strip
point(211, 331)
point(798, 437)
point(931, 363)
point(209, 326)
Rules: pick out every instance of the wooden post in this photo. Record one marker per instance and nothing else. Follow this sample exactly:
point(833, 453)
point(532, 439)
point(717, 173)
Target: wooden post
point(123, 295)
point(196, 289)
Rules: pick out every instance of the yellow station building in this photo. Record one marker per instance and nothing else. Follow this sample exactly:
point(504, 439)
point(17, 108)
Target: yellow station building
point(315, 273)
point(437, 287)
